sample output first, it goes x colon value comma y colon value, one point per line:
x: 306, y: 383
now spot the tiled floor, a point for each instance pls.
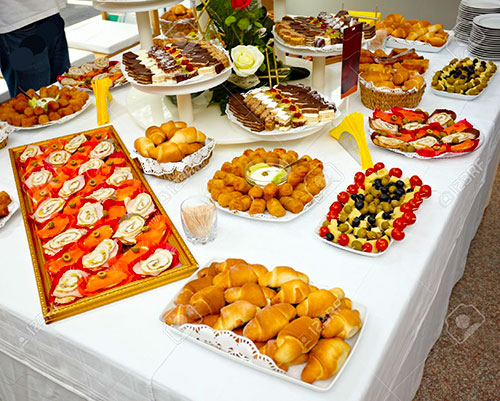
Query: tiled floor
x: 470, y: 370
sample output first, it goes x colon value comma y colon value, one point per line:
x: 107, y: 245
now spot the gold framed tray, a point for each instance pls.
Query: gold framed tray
x: 132, y: 264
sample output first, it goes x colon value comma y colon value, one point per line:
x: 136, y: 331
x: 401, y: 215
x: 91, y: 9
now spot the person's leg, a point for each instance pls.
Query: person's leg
x: 52, y: 30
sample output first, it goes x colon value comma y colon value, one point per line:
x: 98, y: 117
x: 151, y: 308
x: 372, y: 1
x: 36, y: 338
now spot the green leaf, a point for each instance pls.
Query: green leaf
x: 230, y: 20
x: 243, y: 23
x: 257, y: 24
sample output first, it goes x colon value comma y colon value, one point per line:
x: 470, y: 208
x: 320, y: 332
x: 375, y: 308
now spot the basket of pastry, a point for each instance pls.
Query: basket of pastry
x: 265, y: 185
x: 416, y: 133
x: 463, y: 79
x: 272, y: 320
x: 47, y: 106
x: 407, y: 58
x: 96, y: 231
x: 176, y: 60
x: 322, y: 31
x: 283, y: 109
x: 421, y: 35
x: 385, y: 86
x: 373, y: 211
x: 173, y: 151
x: 178, y: 21
x: 82, y: 76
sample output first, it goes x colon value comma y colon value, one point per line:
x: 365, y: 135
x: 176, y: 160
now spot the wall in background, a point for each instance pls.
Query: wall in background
x: 436, y: 11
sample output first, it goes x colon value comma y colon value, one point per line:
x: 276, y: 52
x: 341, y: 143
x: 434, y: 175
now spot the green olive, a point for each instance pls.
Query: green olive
x: 56, y: 179
x: 395, y: 203
x: 101, y: 274
x: 72, y: 205
x: 92, y: 182
x: 43, y: 192
x: 135, y: 249
x: 386, y: 207
x: 392, y: 188
x: 348, y: 209
x: 81, y: 149
x: 385, y: 225
x: 385, y: 181
x: 342, y: 217
x: 50, y: 225
x: 405, y: 121
x: 109, y: 162
x: 357, y: 245
x: 362, y: 233
x: 73, y: 162
x: 326, y: 223
x: 96, y: 234
x: 53, y: 146
x: 105, y: 213
x: 66, y: 257
x: 372, y: 209
x: 344, y: 227
x: 411, y: 148
x: 455, y: 140
x: 371, y: 235
x: 369, y: 198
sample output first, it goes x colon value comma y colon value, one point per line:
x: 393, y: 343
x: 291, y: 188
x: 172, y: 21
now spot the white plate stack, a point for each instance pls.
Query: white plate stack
x: 485, y: 37
x: 468, y: 10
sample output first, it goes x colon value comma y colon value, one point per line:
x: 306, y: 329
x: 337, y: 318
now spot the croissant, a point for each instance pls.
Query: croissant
x: 318, y: 303
x: 235, y: 315
x: 268, y: 322
x: 210, y: 320
x: 167, y: 152
x: 190, y: 288
x: 177, y: 316
x: 343, y: 323
x: 269, y: 348
x: 188, y: 135
x: 228, y: 263
x: 292, y: 292
x: 251, y: 292
x: 236, y: 276
x: 258, y: 269
x: 207, y: 301
x: 325, y: 359
x: 208, y: 271
x: 156, y: 134
x: 169, y: 129
x: 280, y: 275
x: 144, y: 146
x: 298, y: 337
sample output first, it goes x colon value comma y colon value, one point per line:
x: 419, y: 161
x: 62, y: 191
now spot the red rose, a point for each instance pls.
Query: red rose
x: 240, y: 4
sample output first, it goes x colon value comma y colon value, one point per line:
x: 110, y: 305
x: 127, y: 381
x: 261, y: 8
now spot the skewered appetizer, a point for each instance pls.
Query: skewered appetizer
x: 82, y: 77
x: 274, y: 189
x: 414, y: 30
x: 324, y: 30
x: 374, y: 210
x: 4, y: 204
x: 288, y: 320
x: 428, y: 135
x: 170, y: 142
x: 48, y: 104
x: 409, y: 59
x: 97, y: 224
x: 393, y: 76
x: 175, y: 60
x: 466, y: 76
x: 282, y: 108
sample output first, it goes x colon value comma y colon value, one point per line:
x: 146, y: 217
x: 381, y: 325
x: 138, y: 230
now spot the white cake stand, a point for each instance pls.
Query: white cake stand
x: 141, y: 9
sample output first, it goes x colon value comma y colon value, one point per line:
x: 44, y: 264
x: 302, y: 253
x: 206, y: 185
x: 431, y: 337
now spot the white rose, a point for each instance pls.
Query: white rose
x: 246, y: 60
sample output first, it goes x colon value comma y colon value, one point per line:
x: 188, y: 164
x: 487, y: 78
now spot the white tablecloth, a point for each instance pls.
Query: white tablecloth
x: 122, y: 351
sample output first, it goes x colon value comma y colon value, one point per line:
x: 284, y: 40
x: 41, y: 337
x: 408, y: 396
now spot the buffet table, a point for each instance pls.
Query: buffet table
x: 123, y: 352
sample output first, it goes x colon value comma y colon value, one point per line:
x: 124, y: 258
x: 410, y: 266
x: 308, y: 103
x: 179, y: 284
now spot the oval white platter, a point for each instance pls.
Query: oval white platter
x: 399, y: 43
x: 242, y: 350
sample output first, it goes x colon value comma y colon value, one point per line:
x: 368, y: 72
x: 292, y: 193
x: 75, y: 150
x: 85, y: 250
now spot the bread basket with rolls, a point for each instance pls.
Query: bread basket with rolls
x: 273, y: 320
x: 173, y: 151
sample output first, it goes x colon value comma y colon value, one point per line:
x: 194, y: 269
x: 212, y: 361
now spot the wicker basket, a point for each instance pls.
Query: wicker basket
x: 178, y: 174
x: 178, y: 28
x: 377, y: 99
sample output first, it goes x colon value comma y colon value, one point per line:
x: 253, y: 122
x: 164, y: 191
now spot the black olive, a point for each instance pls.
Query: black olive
x: 368, y: 228
x: 400, y: 183
x: 355, y: 222
x: 378, y: 181
x: 372, y: 220
x: 329, y: 237
x: 384, y: 198
x: 483, y: 63
x: 395, y: 197
x: 384, y: 190
x: 363, y: 216
x: 359, y: 204
x: 386, y: 215
x: 399, y: 192
x: 409, y: 190
x: 392, y: 184
x: 377, y: 186
x: 354, y: 197
x: 361, y: 197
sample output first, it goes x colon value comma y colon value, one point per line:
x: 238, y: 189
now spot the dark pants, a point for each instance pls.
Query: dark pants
x: 34, y: 55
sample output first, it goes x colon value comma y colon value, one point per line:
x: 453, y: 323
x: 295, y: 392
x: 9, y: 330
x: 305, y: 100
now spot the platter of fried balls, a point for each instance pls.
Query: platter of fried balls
x: 287, y: 318
x: 49, y: 105
x: 233, y: 193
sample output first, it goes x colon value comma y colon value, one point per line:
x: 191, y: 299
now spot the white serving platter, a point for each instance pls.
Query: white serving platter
x: 399, y: 43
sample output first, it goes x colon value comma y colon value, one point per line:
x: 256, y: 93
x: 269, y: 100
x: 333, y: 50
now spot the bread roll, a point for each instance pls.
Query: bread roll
x: 144, y: 146
x: 168, y: 152
x: 293, y: 292
x: 235, y: 315
x: 343, y: 323
x: 192, y: 287
x: 269, y: 348
x: 188, y: 135
x: 318, y: 303
x: 210, y: 320
x: 177, y: 316
x: 325, y: 359
x: 156, y: 134
x: 169, y: 129
x: 251, y: 292
x: 207, y: 301
x: 236, y: 276
x: 269, y: 321
x: 298, y: 337
x: 228, y: 263
x: 280, y: 275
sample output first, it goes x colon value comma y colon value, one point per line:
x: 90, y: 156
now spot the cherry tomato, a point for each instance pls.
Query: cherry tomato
x: 352, y: 189
x: 413, y: 204
x: 343, y: 239
x: 418, y: 198
x: 381, y: 244
x: 367, y: 247
x: 336, y: 207
x: 425, y: 191
x: 397, y: 234
x: 361, y: 185
x: 409, y: 218
x: 415, y: 181
x: 343, y: 197
x: 379, y: 166
x: 369, y: 172
x: 332, y: 216
x: 405, y: 207
x: 395, y: 172
x: 399, y: 223
x: 323, y: 231
x: 359, y: 177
